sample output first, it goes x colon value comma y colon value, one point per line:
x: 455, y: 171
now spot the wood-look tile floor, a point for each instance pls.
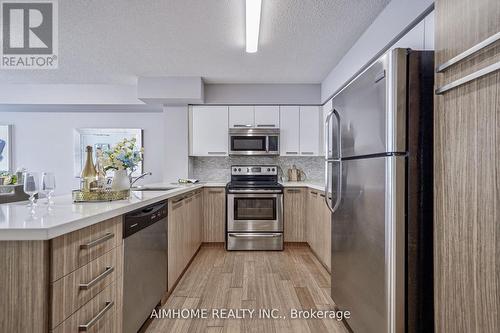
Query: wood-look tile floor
x: 217, y: 279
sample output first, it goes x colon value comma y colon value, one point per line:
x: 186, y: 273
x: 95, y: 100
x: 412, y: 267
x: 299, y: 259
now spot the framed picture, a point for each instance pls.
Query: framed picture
x: 104, y: 138
x: 5, y: 147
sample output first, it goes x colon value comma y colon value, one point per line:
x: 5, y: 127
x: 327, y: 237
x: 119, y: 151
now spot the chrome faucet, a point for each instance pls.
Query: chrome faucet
x: 140, y: 177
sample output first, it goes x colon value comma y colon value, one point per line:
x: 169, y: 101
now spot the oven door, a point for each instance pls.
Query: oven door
x: 249, y: 212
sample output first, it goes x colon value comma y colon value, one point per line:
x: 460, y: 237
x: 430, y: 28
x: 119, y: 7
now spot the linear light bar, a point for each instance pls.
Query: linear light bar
x: 252, y: 24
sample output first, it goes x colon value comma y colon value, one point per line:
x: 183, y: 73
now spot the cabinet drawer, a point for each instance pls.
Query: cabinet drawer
x: 101, y: 314
x: 76, y: 249
x: 77, y: 288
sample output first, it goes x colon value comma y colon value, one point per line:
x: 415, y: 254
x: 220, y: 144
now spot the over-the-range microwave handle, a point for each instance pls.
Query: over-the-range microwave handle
x: 329, y: 160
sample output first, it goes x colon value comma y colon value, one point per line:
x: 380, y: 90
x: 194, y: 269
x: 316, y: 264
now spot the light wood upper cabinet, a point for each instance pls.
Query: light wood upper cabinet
x: 267, y: 116
x: 241, y: 117
x: 289, y: 130
x: 309, y: 130
x: 295, y: 214
x: 214, y: 214
x: 208, y: 131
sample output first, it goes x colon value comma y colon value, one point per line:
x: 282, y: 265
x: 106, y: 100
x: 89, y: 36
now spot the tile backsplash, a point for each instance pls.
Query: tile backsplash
x: 218, y: 168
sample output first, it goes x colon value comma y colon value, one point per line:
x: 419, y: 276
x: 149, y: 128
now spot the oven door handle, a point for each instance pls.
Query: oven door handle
x: 254, y: 235
x: 254, y: 191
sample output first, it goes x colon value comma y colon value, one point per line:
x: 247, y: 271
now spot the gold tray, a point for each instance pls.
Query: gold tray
x: 97, y: 196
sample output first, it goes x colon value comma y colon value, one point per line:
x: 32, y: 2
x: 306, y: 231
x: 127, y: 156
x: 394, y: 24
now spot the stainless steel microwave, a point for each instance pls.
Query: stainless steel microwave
x: 254, y: 141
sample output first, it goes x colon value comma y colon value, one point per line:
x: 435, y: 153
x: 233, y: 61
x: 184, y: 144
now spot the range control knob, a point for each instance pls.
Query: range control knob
x: 273, y: 169
x: 239, y: 169
x: 235, y: 169
x: 268, y: 169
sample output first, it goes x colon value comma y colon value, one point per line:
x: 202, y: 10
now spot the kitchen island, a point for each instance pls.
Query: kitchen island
x: 62, y: 267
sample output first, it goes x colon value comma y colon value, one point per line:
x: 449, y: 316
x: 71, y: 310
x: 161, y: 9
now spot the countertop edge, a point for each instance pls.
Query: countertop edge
x: 48, y: 233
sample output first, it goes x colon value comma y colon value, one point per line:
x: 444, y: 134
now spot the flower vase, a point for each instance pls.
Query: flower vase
x: 121, y: 181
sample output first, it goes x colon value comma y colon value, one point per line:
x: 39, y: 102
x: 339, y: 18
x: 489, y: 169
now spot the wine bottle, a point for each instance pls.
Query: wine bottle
x: 88, y: 177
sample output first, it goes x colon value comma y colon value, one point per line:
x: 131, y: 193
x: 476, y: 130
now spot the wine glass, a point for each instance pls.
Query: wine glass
x: 48, y: 185
x: 31, y: 186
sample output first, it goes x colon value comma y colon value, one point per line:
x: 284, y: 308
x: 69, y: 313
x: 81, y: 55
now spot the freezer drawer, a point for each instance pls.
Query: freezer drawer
x: 254, y: 241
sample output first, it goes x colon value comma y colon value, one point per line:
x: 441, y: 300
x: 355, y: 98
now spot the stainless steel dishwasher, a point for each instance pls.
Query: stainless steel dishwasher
x: 145, y: 266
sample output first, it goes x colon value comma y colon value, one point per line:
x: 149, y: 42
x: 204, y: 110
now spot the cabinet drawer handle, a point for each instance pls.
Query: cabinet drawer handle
x: 307, y: 153
x: 291, y: 153
x: 216, y: 153
x: 93, y: 321
x: 107, y: 271
x: 215, y: 191
x: 293, y: 190
x: 314, y: 193
x: 266, y: 125
x: 98, y: 241
x: 468, y: 78
x: 479, y: 46
x: 242, y: 125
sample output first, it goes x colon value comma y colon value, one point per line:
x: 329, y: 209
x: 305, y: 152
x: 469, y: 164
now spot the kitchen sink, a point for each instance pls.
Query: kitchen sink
x: 152, y: 188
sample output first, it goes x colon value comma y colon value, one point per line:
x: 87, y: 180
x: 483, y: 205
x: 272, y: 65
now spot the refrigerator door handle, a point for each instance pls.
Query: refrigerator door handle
x: 327, y: 179
x: 328, y: 160
x: 339, y: 186
x: 327, y: 135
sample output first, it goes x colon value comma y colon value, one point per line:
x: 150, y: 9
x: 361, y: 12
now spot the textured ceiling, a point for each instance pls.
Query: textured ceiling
x: 114, y: 41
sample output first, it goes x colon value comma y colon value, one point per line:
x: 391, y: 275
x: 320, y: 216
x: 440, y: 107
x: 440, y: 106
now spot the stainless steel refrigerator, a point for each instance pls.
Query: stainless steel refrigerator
x: 379, y: 171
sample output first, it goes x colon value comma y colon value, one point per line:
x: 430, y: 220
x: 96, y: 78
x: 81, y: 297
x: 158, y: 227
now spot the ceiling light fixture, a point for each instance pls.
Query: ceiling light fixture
x: 252, y: 24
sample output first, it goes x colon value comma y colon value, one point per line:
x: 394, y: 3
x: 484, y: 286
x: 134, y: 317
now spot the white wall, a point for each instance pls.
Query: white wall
x: 43, y: 141
x: 175, y: 143
x: 69, y: 94
x: 396, y: 17
x: 262, y: 94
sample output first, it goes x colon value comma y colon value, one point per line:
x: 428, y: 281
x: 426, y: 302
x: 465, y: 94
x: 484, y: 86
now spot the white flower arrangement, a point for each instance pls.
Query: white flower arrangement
x: 123, y: 156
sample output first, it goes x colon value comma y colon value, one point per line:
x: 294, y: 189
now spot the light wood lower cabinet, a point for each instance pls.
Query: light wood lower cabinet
x: 101, y: 314
x: 86, y: 275
x: 184, y: 233
x: 294, y: 208
x: 77, y: 288
x: 75, y: 249
x: 318, y: 227
x: 63, y: 284
x: 214, y: 214
x: 24, y: 281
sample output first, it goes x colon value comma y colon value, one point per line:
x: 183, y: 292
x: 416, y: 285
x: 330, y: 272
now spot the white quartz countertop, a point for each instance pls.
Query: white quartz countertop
x: 311, y: 184
x: 17, y: 223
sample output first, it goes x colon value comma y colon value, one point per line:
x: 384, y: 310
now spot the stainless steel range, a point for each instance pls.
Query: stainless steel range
x: 254, y: 219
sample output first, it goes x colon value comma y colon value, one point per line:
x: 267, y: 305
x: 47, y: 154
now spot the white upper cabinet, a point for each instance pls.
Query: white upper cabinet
x: 310, y: 130
x: 289, y: 130
x: 241, y: 116
x: 322, y: 142
x: 267, y: 116
x: 209, y: 131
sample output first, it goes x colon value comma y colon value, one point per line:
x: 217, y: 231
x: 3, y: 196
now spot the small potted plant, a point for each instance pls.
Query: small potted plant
x: 123, y: 159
